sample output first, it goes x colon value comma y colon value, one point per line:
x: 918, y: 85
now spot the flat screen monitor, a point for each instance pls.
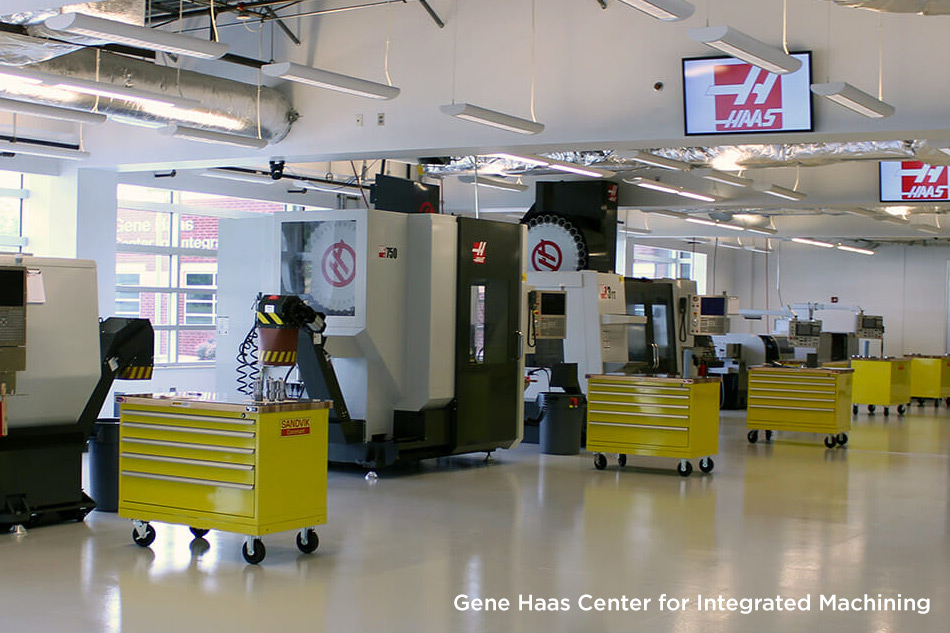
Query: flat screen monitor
x: 913, y: 180
x: 725, y: 95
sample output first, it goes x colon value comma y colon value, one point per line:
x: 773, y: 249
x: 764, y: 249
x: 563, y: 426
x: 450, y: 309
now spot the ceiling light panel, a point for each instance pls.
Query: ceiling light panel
x: 494, y: 183
x: 723, y: 177
x: 854, y: 249
x: 808, y: 242
x: 580, y: 170
x: 51, y: 112
x: 210, y: 136
x: 854, y: 99
x: 781, y: 192
x: 666, y: 10
x: 239, y: 176
x: 741, y: 46
x: 45, y: 151
x: 492, y: 118
x: 648, y: 158
x: 330, y: 80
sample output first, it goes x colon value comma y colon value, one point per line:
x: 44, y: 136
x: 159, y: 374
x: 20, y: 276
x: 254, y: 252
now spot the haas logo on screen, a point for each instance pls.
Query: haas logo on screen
x: 747, y: 98
x: 920, y: 181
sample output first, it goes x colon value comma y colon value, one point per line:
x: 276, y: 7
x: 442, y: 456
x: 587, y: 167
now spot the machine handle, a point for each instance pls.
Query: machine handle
x: 656, y: 355
x: 520, y: 344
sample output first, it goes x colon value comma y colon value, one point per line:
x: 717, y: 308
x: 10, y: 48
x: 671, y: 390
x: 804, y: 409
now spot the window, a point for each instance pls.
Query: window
x: 661, y: 263
x: 12, y: 194
x: 167, y: 265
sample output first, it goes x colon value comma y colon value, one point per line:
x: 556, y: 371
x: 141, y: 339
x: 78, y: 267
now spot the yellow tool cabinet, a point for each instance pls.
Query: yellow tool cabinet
x: 662, y: 417
x: 252, y: 468
x: 930, y: 378
x: 798, y: 399
x: 881, y: 382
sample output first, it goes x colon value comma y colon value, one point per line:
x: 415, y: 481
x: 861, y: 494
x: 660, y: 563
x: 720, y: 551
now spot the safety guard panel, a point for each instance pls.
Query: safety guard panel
x: 930, y: 377
x: 796, y: 399
x: 662, y: 417
x: 881, y: 381
x: 248, y: 468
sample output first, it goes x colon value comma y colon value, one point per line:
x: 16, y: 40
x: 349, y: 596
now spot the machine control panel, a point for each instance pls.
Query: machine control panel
x: 12, y: 307
x: 708, y: 315
x: 548, y: 314
x: 869, y: 327
x: 804, y: 333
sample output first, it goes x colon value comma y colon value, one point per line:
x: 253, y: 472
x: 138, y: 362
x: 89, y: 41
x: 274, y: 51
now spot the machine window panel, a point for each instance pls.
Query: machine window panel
x: 477, y: 325
x: 661, y: 334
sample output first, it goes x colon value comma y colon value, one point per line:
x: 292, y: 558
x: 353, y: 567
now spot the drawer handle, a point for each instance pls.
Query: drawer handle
x: 641, y: 415
x: 597, y: 392
x: 758, y: 396
x: 641, y: 426
x: 766, y: 406
x: 189, y: 462
x: 187, y: 480
x: 190, y: 418
x: 657, y: 405
x: 189, y: 445
x: 187, y: 429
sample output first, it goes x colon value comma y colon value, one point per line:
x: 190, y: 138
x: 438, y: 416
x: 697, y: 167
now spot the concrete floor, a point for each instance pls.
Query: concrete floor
x: 790, y: 518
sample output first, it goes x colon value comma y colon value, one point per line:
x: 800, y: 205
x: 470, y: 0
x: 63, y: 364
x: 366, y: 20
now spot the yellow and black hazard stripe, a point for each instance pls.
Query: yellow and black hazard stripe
x: 279, y: 357
x: 136, y: 373
x: 269, y: 318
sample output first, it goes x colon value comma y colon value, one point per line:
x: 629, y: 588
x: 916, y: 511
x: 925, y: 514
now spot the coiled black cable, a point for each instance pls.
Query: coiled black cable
x: 247, y: 369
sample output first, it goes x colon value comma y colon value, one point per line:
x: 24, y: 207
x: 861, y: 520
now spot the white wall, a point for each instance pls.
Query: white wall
x: 905, y: 284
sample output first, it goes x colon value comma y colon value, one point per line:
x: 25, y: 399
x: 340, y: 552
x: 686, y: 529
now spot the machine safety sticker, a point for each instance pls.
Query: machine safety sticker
x: 339, y: 264
x: 546, y: 256
x: 294, y: 426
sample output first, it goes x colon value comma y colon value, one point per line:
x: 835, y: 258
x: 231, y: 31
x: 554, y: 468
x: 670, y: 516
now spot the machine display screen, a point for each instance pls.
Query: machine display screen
x: 712, y: 306
x: 11, y: 288
x: 807, y: 329
x: 725, y: 95
x: 872, y: 323
x: 554, y: 303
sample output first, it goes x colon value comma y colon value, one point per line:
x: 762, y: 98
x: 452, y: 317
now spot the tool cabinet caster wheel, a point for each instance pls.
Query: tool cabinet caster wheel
x: 901, y: 409
x: 842, y: 439
x: 920, y: 402
x: 753, y: 437
x: 887, y: 411
x: 600, y: 461
x: 854, y: 409
x: 259, y: 552
x: 199, y: 532
x: 144, y: 541
x: 706, y: 464
x: 684, y: 468
x: 313, y: 542
x: 622, y: 460
x: 871, y: 408
x: 768, y: 436
x: 830, y: 441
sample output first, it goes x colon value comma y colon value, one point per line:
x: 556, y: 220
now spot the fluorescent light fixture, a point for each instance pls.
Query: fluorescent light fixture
x: 635, y: 231
x: 926, y: 228
x: 900, y: 210
x: 747, y: 48
x: 339, y: 189
x: 648, y: 158
x: 138, y: 36
x: 46, y: 151
x: 210, y: 136
x: 781, y: 192
x: 893, y: 219
x: 51, y: 112
x: 494, y: 183
x: 330, y: 80
x: 723, y: 177
x: 761, y: 230
x: 499, y: 120
x: 666, y: 10
x: 656, y: 185
x: 580, y: 170
x: 667, y: 213
x: 867, y: 213
x: 854, y: 99
x: 854, y: 249
x: 239, y: 176
x: 527, y: 159
x: 802, y: 240
x: 715, y: 223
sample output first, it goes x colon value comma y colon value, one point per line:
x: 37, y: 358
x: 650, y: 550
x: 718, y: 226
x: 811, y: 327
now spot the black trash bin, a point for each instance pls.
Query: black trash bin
x: 104, y: 465
x: 562, y: 423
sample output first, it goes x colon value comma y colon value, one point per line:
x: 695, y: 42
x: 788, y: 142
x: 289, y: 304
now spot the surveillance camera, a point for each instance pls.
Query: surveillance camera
x: 277, y: 169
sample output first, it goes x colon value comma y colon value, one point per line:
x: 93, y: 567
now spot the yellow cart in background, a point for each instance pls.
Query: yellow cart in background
x: 883, y: 382
x: 249, y: 468
x: 930, y: 378
x: 661, y: 417
x: 800, y: 399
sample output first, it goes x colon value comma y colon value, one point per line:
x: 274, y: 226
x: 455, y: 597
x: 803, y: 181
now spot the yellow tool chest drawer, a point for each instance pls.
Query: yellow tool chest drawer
x: 883, y: 382
x: 251, y: 468
x: 800, y: 399
x: 930, y: 378
x: 661, y: 417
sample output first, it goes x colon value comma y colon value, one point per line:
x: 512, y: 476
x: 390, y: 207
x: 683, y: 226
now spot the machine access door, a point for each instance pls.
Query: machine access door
x: 488, y: 345
x: 654, y: 347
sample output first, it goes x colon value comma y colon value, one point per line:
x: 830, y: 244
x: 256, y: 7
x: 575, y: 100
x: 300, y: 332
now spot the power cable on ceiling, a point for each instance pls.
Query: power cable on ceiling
x: 533, y: 47
x: 785, y: 26
x: 389, y: 79
x: 455, y: 51
x: 880, y: 56
x: 214, y: 21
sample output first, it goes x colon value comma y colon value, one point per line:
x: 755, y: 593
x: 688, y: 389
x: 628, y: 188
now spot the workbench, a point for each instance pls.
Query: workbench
x: 252, y: 468
x: 807, y: 400
x: 930, y: 378
x: 883, y: 382
x: 661, y: 417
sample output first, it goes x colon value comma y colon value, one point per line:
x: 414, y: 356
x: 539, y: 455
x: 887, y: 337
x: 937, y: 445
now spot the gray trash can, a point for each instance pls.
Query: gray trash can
x: 104, y: 465
x: 562, y: 423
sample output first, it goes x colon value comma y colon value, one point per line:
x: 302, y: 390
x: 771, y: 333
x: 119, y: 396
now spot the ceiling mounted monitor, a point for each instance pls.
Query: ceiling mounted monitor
x: 725, y: 95
x: 913, y: 180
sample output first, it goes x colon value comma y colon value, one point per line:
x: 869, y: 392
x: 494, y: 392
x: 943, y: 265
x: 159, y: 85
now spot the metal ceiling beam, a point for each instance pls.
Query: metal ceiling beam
x: 432, y: 14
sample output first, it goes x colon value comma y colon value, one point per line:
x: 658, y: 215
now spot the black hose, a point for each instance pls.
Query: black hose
x: 247, y: 369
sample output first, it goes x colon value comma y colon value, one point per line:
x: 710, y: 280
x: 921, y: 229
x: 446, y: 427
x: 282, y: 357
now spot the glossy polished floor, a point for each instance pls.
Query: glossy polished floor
x: 789, y: 518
